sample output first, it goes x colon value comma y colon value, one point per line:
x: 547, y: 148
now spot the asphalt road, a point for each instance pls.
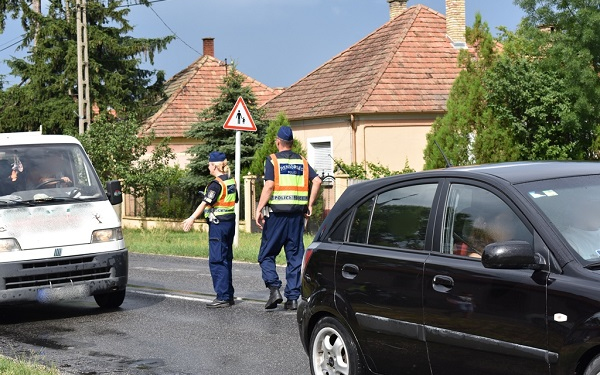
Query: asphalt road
x: 162, y: 327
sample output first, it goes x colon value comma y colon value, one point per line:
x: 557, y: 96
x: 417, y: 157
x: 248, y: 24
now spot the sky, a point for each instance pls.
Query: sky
x: 277, y: 42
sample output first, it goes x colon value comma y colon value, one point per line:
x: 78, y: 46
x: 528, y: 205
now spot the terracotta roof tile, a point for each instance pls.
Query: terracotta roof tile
x: 407, y: 65
x: 191, y: 91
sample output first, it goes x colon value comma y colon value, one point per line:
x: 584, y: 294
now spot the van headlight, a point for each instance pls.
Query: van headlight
x: 106, y: 235
x: 9, y: 244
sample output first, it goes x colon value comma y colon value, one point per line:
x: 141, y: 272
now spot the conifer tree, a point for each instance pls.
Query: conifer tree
x: 455, y: 132
x: 47, y: 94
x: 213, y: 137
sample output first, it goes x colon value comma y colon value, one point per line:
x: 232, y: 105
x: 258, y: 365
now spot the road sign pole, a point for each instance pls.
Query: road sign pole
x: 239, y: 120
x: 238, y: 147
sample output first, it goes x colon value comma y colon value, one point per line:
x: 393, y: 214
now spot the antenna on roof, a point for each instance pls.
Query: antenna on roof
x: 448, y: 163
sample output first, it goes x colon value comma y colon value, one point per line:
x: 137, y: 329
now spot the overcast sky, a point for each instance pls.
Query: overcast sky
x: 277, y: 42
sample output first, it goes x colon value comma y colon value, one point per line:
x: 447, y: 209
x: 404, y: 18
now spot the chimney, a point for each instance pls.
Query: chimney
x: 397, y: 7
x: 208, y: 45
x: 455, y: 23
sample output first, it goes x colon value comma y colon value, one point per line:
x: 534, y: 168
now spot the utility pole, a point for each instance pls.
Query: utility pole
x: 83, y: 87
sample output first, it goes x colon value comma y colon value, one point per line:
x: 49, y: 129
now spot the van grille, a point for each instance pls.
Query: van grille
x: 61, y: 275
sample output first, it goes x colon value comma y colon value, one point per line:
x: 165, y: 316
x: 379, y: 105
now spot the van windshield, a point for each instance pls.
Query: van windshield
x: 45, y: 174
x: 573, y: 206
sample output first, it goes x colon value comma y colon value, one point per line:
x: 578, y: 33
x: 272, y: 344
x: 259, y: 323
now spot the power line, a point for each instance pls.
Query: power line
x: 15, y: 43
x: 131, y: 5
x: 161, y: 20
x: 174, y: 33
x: 12, y: 40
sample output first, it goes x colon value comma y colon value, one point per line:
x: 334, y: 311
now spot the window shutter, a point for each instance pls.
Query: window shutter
x: 323, y: 162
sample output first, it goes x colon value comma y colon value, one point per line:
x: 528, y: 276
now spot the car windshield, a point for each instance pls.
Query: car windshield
x: 45, y: 174
x: 573, y: 205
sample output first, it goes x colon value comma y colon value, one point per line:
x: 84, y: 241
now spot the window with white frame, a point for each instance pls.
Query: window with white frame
x: 320, y: 155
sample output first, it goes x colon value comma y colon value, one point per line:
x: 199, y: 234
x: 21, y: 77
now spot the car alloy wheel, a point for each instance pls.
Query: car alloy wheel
x: 332, y: 350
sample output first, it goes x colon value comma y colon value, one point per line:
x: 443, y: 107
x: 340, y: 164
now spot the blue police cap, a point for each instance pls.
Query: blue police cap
x: 285, y: 133
x: 216, y: 156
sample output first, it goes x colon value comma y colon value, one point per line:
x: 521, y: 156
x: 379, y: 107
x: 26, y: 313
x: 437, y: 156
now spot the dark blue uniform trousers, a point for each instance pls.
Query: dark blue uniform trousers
x: 282, y: 230
x: 220, y: 257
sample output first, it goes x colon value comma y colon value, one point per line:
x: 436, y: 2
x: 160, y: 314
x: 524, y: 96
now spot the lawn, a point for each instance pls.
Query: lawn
x: 10, y: 366
x: 193, y: 244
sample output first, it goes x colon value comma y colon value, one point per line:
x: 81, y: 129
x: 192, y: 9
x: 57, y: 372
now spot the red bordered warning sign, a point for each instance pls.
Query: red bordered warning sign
x: 240, y: 118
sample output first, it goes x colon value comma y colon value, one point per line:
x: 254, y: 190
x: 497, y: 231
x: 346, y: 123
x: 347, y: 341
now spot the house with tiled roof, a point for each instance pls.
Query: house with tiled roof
x: 191, y: 91
x: 376, y: 101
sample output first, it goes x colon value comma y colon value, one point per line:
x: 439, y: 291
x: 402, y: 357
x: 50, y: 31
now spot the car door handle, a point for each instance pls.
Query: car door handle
x: 349, y: 271
x: 442, y: 283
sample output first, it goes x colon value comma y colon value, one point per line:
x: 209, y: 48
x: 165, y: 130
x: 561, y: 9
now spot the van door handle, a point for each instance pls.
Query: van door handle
x: 442, y: 283
x: 349, y: 271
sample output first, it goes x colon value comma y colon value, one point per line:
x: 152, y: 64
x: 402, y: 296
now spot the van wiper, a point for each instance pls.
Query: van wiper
x: 47, y: 198
x: 15, y: 201
x: 593, y: 266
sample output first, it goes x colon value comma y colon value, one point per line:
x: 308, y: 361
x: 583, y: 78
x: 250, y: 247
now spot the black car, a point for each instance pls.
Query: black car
x: 491, y: 269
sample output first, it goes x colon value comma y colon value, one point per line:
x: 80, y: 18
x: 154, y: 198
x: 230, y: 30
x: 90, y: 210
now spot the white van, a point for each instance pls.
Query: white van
x: 60, y: 237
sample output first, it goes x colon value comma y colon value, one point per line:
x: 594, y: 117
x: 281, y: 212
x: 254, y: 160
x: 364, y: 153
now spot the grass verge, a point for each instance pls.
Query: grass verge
x: 10, y: 366
x: 193, y: 244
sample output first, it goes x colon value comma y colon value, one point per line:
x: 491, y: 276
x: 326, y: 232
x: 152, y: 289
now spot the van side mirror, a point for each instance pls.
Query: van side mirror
x: 113, y: 192
x: 512, y: 255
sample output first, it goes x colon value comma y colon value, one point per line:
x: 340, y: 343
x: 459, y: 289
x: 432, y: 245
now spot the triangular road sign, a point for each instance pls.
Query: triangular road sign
x: 240, y: 118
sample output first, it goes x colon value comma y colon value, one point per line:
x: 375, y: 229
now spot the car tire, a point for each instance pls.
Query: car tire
x: 110, y: 300
x: 333, y: 350
x: 594, y: 367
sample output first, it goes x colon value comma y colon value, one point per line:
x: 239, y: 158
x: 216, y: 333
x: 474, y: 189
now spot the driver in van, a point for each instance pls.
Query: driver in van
x: 50, y: 173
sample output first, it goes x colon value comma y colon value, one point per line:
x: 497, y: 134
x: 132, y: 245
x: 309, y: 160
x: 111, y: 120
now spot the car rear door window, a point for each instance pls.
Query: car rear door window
x: 398, y: 218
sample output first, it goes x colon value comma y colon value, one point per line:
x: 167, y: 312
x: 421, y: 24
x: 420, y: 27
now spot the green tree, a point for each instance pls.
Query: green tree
x: 48, y: 90
x: 371, y: 170
x: 576, y: 26
x: 212, y: 136
x: 118, y: 153
x: 537, y: 100
x: 532, y: 109
x: 455, y: 132
x: 268, y: 146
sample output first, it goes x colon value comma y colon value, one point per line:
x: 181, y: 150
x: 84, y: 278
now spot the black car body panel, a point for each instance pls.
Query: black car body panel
x: 392, y: 263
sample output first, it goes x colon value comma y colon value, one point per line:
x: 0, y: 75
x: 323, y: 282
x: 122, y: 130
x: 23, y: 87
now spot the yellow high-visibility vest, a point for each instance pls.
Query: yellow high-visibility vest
x: 290, y: 191
x: 225, y: 204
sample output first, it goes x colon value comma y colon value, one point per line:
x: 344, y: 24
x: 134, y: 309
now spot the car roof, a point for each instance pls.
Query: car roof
x: 520, y: 172
x: 510, y: 172
x: 513, y: 172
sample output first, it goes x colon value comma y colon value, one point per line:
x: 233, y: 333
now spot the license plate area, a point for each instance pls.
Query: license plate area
x: 63, y: 293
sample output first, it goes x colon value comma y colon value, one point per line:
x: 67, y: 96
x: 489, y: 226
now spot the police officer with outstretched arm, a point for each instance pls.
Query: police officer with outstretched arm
x: 291, y: 188
x: 218, y: 206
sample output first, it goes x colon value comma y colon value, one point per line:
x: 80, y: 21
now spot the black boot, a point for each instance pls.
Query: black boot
x: 274, y: 298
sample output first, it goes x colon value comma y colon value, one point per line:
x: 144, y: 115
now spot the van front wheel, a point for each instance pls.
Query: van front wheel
x: 110, y: 300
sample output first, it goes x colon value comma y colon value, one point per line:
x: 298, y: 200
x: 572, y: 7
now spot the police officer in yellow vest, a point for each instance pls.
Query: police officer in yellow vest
x: 218, y: 206
x: 288, y: 199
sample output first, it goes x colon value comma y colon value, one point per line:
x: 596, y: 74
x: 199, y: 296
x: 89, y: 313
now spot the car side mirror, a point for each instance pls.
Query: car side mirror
x: 513, y: 255
x: 113, y: 192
